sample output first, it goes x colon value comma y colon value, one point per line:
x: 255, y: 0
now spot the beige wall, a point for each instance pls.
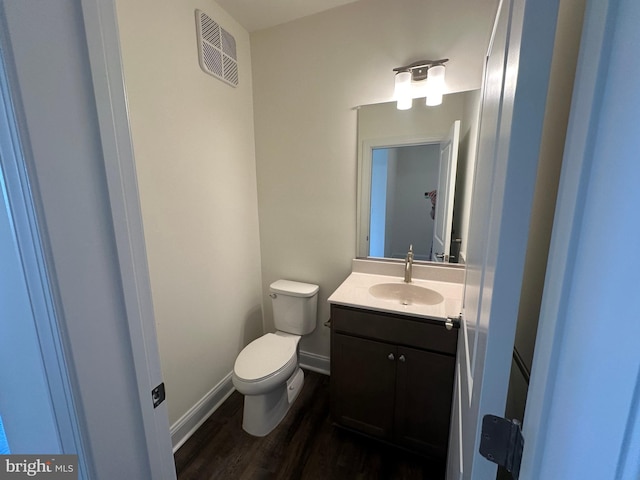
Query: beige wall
x: 308, y: 77
x: 194, y: 151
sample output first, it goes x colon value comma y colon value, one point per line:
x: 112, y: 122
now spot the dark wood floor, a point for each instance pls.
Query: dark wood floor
x: 306, y: 445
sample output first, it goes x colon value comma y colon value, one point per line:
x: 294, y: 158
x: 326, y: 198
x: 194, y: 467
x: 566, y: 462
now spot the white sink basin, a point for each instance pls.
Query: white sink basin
x: 405, y: 294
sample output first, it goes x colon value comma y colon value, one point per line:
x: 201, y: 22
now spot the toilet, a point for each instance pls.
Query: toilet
x: 266, y: 372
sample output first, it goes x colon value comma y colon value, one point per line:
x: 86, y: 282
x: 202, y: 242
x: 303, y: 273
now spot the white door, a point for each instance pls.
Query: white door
x: 514, y: 93
x: 445, y: 194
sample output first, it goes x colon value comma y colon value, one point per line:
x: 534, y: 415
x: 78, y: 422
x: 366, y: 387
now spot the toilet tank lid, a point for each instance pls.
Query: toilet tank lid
x: 296, y: 289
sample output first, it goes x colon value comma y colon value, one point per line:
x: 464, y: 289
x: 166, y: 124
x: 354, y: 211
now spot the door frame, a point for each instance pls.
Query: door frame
x: 444, y: 222
x: 518, y: 67
x: 566, y: 336
x: 103, y: 42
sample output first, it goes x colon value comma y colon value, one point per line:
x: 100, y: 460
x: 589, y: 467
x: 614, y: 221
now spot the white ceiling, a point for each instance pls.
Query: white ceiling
x: 258, y: 14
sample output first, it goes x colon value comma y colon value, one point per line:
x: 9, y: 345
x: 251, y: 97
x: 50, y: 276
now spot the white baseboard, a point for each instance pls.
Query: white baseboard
x: 314, y: 362
x: 196, y: 416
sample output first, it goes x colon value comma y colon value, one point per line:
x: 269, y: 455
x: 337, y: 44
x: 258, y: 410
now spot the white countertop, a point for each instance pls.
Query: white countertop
x: 354, y: 292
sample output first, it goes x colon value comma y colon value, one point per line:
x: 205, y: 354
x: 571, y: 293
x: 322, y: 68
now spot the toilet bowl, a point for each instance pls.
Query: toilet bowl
x: 266, y: 371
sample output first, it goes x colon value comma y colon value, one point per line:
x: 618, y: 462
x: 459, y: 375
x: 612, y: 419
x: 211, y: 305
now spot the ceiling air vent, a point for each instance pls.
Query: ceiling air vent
x: 217, y: 49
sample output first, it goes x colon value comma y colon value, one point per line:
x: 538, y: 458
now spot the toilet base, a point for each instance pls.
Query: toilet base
x: 262, y: 413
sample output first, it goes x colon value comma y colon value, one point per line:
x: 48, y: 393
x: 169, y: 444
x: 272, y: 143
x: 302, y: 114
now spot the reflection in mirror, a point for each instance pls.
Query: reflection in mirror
x: 409, y: 189
x: 399, y: 177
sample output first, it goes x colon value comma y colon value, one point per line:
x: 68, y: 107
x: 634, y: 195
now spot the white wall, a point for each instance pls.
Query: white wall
x: 308, y: 77
x: 194, y: 151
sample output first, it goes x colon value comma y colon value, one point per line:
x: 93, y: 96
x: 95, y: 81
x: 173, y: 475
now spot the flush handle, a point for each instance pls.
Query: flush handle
x: 273, y: 295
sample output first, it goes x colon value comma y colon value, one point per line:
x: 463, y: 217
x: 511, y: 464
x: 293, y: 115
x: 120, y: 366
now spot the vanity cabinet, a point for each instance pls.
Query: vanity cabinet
x: 392, y: 377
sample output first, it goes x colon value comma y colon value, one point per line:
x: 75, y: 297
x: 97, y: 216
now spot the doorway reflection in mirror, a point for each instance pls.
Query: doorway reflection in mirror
x: 399, y: 214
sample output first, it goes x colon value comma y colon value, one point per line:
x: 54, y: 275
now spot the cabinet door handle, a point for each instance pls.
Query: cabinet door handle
x: 401, y: 358
x: 391, y: 356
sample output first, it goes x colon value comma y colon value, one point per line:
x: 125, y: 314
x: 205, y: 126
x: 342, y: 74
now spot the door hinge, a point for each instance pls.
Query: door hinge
x: 158, y: 395
x: 501, y: 442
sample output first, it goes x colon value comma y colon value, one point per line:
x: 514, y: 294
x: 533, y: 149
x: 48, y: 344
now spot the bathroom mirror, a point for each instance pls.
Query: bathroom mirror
x: 400, y: 154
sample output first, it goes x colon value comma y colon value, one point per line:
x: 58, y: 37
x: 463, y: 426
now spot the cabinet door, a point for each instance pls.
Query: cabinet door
x: 423, y: 400
x: 362, y: 384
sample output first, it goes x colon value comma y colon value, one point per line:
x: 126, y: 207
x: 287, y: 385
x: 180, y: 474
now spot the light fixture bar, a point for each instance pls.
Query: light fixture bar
x: 421, y: 64
x: 424, y: 78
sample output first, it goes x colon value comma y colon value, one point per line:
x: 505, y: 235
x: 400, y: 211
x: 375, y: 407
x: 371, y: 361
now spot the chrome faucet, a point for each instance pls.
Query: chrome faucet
x: 408, y: 265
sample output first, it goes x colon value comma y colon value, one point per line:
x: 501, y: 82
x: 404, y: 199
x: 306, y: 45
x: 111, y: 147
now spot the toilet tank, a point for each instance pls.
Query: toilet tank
x: 295, y: 306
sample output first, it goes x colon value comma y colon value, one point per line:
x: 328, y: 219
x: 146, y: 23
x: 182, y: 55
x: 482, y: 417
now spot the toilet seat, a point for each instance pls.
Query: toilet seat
x: 266, y: 357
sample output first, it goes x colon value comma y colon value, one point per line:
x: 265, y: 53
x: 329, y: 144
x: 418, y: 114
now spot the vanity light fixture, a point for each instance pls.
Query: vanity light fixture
x: 424, y: 78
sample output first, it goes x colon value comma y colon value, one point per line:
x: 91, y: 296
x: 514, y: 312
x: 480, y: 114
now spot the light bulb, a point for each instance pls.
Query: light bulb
x: 435, y: 85
x: 434, y: 99
x: 402, y: 91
